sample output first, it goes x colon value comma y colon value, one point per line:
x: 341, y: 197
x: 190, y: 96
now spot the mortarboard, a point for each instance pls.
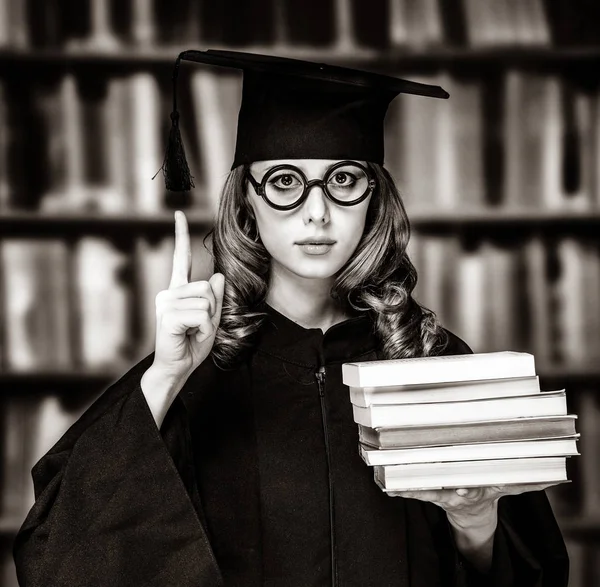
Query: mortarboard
x: 295, y: 109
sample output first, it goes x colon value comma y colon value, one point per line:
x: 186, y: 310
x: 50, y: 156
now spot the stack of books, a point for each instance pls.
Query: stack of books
x: 459, y: 421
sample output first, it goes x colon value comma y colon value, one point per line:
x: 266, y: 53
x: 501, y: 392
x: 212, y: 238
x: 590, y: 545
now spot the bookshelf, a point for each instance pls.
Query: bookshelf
x: 508, y: 179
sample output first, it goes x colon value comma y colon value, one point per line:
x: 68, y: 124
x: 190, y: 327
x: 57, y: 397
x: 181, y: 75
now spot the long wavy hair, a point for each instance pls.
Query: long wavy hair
x: 379, y: 278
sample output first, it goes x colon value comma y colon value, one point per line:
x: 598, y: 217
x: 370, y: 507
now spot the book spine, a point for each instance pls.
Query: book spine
x: 546, y: 404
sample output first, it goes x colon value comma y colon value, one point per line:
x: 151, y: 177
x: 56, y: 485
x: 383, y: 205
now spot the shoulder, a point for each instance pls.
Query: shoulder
x: 455, y: 345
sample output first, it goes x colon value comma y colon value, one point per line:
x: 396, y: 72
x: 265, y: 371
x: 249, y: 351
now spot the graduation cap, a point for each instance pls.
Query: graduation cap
x: 295, y: 109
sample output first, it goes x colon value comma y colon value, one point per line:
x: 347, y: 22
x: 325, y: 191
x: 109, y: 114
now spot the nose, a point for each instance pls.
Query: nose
x: 316, y: 206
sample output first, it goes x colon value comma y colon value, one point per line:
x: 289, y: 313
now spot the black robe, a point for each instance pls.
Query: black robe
x: 254, y: 479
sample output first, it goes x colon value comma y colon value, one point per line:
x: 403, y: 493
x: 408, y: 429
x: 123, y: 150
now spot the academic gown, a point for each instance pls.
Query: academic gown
x: 255, y: 479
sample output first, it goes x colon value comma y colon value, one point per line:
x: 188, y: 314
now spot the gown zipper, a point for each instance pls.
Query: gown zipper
x: 320, y: 375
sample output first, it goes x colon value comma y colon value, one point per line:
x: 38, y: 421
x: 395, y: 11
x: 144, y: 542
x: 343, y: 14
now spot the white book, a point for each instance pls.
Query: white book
x: 117, y: 155
x: 345, y: 38
x: 103, y: 303
x: 18, y: 24
x: 569, y: 293
x: 550, y: 108
x: 556, y: 447
x: 589, y: 409
x: 502, y: 310
x: 5, y: 190
x: 468, y: 132
x: 515, y: 156
x: 520, y: 21
x: 147, y: 145
x: 538, y: 298
x: 445, y: 156
x: 440, y: 392
x: 398, y: 25
x: 541, y: 26
x: 154, y: 262
x: 420, y: 370
x: 596, y: 151
x: 471, y: 474
x: 143, y: 29
x: 74, y: 156
x: 583, y: 199
x: 215, y: 121
x: 4, y: 23
x: 435, y: 263
x: 36, y: 303
x: 419, y: 149
x: 55, y: 288
x: 471, y: 300
x: 548, y: 403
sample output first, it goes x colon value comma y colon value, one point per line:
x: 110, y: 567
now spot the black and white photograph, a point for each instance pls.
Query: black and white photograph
x: 299, y: 293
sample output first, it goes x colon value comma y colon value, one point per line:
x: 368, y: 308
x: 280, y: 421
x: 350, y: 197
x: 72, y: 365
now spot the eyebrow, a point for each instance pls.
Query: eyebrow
x: 298, y: 163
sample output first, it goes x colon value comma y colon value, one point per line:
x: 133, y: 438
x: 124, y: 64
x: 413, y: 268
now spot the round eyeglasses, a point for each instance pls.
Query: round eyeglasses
x: 285, y: 187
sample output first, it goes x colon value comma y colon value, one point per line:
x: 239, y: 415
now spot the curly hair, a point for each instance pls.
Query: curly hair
x: 378, y: 279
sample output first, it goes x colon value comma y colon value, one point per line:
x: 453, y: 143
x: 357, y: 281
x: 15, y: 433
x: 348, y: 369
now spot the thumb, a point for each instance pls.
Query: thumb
x: 217, y: 283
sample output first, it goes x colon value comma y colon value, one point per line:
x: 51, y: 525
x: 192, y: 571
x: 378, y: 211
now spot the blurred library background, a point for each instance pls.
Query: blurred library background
x: 501, y: 182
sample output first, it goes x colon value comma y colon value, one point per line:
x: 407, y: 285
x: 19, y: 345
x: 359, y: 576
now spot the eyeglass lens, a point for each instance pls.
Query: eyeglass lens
x: 284, y: 186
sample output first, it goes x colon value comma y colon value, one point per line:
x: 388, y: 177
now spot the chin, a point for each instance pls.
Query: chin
x: 311, y: 269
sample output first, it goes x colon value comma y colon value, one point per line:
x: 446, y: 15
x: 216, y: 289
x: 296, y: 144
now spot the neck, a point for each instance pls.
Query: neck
x: 305, y: 301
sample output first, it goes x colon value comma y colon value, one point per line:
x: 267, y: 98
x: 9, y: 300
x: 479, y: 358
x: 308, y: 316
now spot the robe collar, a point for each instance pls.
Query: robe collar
x: 283, y: 338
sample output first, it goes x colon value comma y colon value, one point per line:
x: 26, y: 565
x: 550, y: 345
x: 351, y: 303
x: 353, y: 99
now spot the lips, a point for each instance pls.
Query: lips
x: 324, y: 241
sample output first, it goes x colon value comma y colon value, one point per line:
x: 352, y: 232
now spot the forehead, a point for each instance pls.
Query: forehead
x: 308, y: 166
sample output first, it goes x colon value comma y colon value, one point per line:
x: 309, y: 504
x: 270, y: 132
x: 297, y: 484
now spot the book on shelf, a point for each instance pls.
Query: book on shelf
x: 471, y: 303
x: 36, y: 303
x: 439, y: 369
x: 5, y: 189
x: 513, y: 429
x: 537, y: 294
x: 548, y: 403
x: 104, y: 303
x: 477, y: 451
x: 446, y: 391
x: 506, y: 23
x: 589, y: 409
x: 416, y: 476
x: 216, y: 101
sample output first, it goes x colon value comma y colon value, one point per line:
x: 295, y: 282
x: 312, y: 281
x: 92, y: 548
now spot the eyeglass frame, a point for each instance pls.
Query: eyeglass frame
x: 309, y: 184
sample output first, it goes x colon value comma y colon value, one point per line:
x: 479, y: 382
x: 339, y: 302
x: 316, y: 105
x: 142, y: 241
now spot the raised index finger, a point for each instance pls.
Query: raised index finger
x: 182, y: 256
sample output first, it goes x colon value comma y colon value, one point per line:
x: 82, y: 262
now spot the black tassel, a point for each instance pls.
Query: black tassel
x: 175, y: 167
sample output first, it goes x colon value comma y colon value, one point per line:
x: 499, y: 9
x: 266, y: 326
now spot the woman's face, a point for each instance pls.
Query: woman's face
x: 282, y: 232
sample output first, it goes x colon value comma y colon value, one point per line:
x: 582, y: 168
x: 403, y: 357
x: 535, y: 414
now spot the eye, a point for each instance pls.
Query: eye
x: 285, y: 181
x: 343, y: 179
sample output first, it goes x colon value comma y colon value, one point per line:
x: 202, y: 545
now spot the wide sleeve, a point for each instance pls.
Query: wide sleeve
x: 529, y: 549
x: 116, y: 502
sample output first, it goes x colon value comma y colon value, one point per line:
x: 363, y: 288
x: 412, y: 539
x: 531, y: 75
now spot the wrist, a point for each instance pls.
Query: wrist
x: 474, y: 538
x: 160, y: 389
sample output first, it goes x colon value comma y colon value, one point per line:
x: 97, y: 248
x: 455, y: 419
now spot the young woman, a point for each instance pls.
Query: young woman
x: 229, y: 456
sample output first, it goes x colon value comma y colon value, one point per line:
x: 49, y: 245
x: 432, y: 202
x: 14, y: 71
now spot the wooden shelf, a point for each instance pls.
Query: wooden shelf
x: 132, y: 58
x: 502, y: 216
x: 37, y: 223
x: 20, y: 222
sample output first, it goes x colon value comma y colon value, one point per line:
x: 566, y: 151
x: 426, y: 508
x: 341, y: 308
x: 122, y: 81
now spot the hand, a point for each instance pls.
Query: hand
x: 470, y: 507
x: 187, y: 314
